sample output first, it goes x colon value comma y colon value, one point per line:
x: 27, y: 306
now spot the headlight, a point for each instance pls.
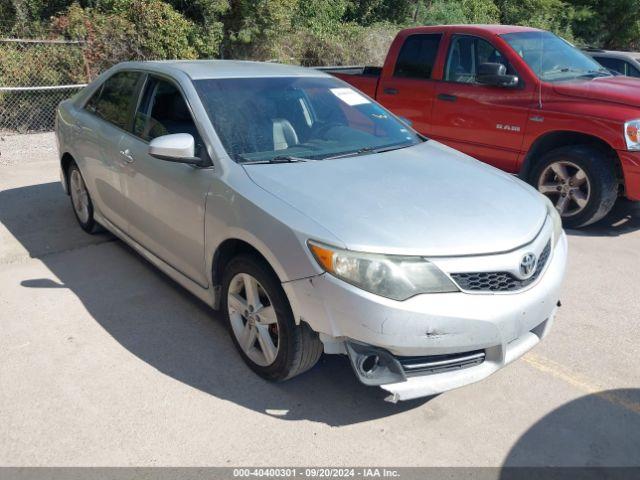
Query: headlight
x: 632, y: 134
x: 390, y: 276
x: 556, y: 219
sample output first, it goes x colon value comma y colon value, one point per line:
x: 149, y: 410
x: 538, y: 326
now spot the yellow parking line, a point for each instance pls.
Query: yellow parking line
x: 559, y: 371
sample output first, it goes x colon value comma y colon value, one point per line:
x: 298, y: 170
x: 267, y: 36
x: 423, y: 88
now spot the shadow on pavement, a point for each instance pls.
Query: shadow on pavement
x: 168, y: 328
x: 602, y: 429
x: 623, y: 218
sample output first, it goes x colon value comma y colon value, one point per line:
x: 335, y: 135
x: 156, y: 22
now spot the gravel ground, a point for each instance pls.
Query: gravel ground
x: 105, y: 361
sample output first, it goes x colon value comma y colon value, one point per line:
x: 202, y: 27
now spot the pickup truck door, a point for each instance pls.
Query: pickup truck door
x: 165, y: 201
x: 406, y: 87
x: 486, y: 122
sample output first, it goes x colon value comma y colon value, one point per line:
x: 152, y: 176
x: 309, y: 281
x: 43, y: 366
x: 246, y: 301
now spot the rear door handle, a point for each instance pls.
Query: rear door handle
x: 445, y: 97
x: 390, y: 91
x: 127, y: 155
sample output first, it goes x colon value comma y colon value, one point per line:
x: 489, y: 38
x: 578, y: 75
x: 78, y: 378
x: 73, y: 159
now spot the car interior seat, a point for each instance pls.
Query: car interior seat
x: 284, y: 135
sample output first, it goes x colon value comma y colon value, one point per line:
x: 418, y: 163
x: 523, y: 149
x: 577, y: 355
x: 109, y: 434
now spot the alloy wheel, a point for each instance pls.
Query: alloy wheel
x: 253, y: 319
x: 79, y: 196
x: 567, y: 186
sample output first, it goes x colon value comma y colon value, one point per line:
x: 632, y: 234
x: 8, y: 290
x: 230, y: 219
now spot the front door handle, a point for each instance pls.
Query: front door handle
x: 127, y: 155
x: 390, y: 91
x: 445, y: 97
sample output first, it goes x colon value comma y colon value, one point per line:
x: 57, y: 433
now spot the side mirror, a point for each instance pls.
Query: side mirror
x: 495, y: 74
x: 177, y: 147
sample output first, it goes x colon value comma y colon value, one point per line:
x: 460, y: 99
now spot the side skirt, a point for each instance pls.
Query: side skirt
x: 207, y: 295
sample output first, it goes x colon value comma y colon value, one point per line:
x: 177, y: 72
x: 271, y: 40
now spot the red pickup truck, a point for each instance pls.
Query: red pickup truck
x: 523, y: 100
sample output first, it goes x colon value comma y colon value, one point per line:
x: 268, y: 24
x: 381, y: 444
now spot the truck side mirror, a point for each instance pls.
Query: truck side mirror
x: 495, y: 74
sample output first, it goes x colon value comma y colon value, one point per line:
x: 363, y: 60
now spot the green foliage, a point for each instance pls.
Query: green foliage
x: 161, y: 31
x: 349, y: 45
x: 553, y: 15
x: 368, y: 12
x: 450, y: 12
x: 321, y: 16
x: 109, y: 37
x: 334, y: 31
x: 613, y: 24
x: 252, y: 27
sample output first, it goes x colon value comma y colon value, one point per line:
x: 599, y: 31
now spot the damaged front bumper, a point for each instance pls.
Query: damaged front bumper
x: 407, y: 378
x: 455, y: 338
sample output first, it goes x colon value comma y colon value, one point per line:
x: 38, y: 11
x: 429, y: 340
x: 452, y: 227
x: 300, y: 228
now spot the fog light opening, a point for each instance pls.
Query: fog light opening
x: 369, y: 364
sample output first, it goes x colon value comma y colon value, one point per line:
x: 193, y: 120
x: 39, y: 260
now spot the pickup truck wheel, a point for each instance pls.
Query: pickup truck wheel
x: 81, y: 200
x: 261, y: 322
x: 580, y: 181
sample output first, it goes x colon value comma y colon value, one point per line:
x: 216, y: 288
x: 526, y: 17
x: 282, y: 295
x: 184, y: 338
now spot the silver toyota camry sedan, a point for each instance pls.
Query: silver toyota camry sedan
x: 315, y: 220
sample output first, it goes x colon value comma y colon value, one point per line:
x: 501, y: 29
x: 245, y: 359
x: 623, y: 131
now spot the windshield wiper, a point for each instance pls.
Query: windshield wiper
x: 579, y: 73
x: 278, y: 159
x: 365, y: 150
x: 596, y: 73
x: 355, y: 153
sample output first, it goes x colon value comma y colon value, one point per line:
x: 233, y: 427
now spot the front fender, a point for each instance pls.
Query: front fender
x: 236, y: 208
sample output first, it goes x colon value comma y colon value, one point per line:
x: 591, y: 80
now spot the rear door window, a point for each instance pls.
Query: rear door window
x: 115, y: 100
x: 417, y: 56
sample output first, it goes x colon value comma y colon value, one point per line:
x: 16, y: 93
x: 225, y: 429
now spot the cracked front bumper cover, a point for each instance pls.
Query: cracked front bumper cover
x: 504, y: 326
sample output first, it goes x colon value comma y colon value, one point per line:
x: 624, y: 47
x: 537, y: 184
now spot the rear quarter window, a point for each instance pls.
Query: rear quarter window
x: 417, y: 56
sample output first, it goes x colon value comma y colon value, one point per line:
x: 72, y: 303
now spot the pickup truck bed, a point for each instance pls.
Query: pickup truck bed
x: 364, y: 78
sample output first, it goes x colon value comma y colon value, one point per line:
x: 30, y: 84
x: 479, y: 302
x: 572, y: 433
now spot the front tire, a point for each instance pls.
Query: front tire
x: 81, y: 200
x: 579, y: 180
x: 261, y: 322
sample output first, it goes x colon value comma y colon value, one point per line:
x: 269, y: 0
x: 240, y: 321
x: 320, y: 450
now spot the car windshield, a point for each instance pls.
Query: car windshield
x: 298, y: 118
x: 552, y: 58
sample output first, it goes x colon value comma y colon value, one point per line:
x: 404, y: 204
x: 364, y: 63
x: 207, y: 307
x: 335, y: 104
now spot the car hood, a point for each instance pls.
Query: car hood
x: 619, y: 89
x: 425, y: 200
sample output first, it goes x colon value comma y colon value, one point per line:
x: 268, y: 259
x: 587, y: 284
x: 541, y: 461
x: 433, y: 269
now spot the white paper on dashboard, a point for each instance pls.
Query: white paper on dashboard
x: 349, y: 96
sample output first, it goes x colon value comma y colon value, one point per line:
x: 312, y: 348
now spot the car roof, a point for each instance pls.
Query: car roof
x: 612, y: 53
x: 473, y: 28
x: 212, y: 69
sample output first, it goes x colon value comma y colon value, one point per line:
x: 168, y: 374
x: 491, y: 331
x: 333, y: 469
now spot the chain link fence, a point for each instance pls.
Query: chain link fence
x: 35, y: 76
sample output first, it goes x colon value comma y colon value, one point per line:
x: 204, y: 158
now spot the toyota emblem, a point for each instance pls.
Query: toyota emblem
x: 528, y: 265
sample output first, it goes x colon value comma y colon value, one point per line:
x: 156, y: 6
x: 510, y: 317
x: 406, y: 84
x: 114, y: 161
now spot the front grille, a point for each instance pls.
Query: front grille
x: 500, y: 281
x: 428, y: 365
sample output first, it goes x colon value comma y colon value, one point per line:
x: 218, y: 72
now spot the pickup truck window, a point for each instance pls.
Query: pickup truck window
x: 466, y: 54
x: 265, y: 119
x: 417, y: 56
x: 553, y: 59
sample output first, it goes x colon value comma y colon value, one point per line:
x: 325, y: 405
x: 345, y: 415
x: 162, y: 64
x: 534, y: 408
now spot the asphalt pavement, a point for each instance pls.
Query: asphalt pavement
x: 105, y: 361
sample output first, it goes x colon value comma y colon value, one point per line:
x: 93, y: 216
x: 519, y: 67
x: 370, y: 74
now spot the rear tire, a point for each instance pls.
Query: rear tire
x: 579, y: 180
x: 80, y: 199
x: 261, y: 322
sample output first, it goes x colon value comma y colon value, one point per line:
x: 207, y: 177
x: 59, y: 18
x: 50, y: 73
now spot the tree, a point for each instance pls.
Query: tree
x: 368, y: 12
x: 252, y: 26
x: 439, y: 12
x: 553, y: 15
x: 612, y: 24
